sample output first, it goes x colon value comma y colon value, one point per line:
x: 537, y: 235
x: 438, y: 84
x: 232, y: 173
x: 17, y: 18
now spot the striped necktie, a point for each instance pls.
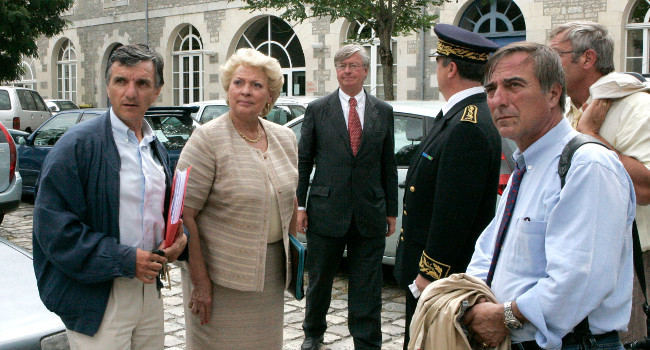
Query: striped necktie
x: 507, y: 215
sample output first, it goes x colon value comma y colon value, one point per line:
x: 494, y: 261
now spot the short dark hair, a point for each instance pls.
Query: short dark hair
x: 130, y: 55
x: 468, y: 70
x: 546, y: 64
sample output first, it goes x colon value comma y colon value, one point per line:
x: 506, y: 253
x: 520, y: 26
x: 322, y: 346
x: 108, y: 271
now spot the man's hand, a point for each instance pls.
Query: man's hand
x: 172, y: 252
x: 201, y: 301
x: 593, y: 117
x: 147, y: 265
x: 421, y: 282
x: 390, y: 220
x: 302, y: 222
x: 486, y: 321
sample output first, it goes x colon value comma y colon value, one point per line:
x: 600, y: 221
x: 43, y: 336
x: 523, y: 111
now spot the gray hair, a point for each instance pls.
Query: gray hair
x: 348, y: 50
x: 130, y: 55
x: 585, y: 35
x: 253, y: 58
x: 546, y: 64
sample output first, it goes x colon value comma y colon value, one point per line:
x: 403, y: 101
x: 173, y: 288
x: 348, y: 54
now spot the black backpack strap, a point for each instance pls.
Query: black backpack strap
x: 582, y: 330
x: 569, y: 149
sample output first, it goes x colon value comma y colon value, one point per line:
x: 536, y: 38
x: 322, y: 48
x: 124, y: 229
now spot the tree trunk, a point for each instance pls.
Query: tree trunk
x: 386, y: 58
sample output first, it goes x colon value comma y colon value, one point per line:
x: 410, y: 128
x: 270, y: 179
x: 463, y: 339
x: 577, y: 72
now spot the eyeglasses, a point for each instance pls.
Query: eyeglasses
x: 352, y: 66
x: 566, y: 52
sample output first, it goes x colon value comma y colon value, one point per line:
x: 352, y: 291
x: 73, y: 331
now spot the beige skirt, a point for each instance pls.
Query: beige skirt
x: 241, y: 320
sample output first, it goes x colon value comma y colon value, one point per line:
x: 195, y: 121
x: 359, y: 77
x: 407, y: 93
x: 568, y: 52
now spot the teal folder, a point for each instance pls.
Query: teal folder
x: 298, y: 251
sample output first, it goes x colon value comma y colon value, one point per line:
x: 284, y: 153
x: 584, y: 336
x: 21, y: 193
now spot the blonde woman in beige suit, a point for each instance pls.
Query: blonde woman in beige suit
x: 239, y: 209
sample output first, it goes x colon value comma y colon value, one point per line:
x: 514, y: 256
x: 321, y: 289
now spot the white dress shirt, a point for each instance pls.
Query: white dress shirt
x: 345, y: 104
x: 461, y: 95
x: 567, y: 253
x: 142, y: 187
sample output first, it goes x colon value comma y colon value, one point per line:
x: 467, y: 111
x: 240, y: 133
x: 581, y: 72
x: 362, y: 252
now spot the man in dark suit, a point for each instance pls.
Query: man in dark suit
x: 349, y: 137
x: 451, y: 184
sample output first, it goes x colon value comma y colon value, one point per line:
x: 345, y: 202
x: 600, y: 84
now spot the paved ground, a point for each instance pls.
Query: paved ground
x: 17, y: 227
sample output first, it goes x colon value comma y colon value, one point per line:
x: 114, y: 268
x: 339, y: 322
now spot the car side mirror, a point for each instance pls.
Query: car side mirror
x: 52, y: 109
x: 21, y: 140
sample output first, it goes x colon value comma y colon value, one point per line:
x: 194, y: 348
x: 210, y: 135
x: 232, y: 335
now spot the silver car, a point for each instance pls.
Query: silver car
x: 11, y: 184
x: 284, y: 110
x: 25, y: 323
x: 413, y: 119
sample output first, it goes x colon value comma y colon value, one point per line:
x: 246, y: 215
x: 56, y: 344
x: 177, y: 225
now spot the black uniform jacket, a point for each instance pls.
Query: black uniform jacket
x: 450, y: 193
x: 363, y: 187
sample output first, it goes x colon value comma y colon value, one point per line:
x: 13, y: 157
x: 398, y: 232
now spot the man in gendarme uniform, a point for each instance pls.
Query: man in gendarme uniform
x: 451, y: 185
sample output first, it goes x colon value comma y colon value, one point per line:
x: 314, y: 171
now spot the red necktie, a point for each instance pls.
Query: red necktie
x: 354, y: 126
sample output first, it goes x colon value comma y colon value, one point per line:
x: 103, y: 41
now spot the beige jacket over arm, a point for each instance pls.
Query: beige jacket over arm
x: 437, y: 322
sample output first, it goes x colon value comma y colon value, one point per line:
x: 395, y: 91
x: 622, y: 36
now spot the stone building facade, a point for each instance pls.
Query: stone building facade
x: 195, y: 38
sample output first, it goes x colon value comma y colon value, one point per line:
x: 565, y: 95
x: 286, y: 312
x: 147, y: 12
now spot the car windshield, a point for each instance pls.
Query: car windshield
x: 172, y: 130
x: 66, y: 105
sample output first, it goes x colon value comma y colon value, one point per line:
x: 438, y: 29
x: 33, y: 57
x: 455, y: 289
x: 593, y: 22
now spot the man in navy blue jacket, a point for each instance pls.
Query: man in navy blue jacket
x: 100, y: 211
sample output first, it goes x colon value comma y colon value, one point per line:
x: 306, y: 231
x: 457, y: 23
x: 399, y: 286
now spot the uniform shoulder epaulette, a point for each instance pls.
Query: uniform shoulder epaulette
x: 432, y: 268
x: 470, y: 114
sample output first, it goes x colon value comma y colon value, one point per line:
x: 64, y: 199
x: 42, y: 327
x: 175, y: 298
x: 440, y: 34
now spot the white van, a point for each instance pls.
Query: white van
x: 22, y: 109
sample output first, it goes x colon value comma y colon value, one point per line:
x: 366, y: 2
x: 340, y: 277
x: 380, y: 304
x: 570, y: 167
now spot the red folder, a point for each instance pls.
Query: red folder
x: 179, y: 186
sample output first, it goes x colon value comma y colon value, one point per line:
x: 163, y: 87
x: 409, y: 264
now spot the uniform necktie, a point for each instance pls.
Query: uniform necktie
x: 354, y: 126
x: 507, y: 215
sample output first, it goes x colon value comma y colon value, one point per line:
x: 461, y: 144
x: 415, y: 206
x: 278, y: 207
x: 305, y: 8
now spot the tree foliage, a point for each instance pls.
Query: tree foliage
x: 387, y: 18
x: 21, y: 23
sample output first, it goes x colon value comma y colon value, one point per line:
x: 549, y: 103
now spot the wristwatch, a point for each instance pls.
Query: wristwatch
x: 510, y: 320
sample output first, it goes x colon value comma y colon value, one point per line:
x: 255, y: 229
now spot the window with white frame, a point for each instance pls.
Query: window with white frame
x: 187, y: 66
x: 637, y: 45
x: 365, y: 36
x: 274, y: 37
x: 499, y: 20
x: 67, y: 71
x: 27, y: 79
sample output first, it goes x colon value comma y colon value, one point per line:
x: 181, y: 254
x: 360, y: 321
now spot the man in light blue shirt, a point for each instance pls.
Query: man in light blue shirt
x: 567, y: 252
x: 100, y: 211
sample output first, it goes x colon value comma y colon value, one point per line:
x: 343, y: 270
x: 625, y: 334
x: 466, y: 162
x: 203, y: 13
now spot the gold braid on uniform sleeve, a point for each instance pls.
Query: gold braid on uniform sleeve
x: 434, y: 270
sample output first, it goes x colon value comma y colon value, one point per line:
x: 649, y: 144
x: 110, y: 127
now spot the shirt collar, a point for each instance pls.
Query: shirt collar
x: 547, y: 146
x: 120, y: 128
x: 461, y: 95
x: 360, y: 97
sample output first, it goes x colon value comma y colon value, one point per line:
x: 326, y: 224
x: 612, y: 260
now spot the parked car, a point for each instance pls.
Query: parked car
x: 60, y: 105
x: 25, y: 323
x: 22, y: 108
x: 11, y: 183
x: 284, y: 110
x: 171, y: 125
x: 413, y: 119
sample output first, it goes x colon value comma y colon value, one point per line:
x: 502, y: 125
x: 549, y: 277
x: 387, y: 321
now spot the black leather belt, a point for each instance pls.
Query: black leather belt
x: 568, y: 340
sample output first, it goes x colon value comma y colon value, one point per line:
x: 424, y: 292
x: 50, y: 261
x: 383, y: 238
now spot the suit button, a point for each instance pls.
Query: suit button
x: 401, y: 238
x: 412, y: 188
x: 405, y: 213
x: 401, y: 230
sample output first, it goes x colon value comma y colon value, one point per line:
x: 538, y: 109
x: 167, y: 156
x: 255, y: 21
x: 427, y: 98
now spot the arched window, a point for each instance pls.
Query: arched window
x: 187, y: 67
x: 67, y: 72
x: 274, y: 37
x: 500, y: 21
x: 27, y: 79
x: 638, y: 24
x: 365, y: 36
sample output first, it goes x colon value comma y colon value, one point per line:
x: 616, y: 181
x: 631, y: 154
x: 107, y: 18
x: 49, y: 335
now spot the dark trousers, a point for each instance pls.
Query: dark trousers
x: 411, y: 304
x: 324, y: 255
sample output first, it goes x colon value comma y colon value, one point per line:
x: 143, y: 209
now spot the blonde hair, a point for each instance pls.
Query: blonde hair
x: 253, y: 58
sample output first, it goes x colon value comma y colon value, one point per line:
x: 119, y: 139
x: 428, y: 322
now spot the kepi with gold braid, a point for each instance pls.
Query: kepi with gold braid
x: 456, y: 42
